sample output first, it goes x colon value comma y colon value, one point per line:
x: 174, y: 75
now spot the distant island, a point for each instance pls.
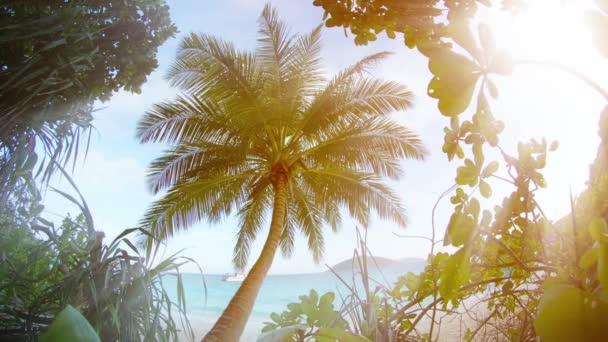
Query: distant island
x: 384, y: 264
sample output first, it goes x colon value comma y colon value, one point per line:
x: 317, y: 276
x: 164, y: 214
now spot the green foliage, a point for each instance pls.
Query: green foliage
x: 549, y: 278
x: 118, y: 289
x: 29, y: 283
x: 56, y: 59
x: 311, y: 317
x: 422, y: 23
x: 70, y: 325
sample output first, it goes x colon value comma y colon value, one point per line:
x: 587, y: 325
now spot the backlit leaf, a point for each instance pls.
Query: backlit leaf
x: 70, y: 325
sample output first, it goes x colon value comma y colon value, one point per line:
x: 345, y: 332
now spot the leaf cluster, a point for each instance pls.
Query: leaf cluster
x: 56, y: 59
x: 119, y: 289
x: 529, y: 271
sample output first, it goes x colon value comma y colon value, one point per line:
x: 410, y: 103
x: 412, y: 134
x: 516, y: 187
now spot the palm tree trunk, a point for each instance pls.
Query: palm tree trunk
x: 231, y: 323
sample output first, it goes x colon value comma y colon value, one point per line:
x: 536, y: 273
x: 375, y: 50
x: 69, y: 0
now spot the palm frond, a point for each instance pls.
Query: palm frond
x: 308, y: 218
x: 375, y: 145
x: 274, y: 43
x: 200, y: 160
x: 252, y: 216
x: 189, y: 202
x: 186, y: 119
x: 287, y: 242
x: 304, y: 74
x: 361, y: 98
x: 359, y: 192
x: 206, y: 64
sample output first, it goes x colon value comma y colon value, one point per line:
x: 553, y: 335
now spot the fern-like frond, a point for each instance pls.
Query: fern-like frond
x: 211, y: 68
x: 359, y: 192
x: 252, y: 216
x: 185, y: 119
x: 209, y: 64
x: 189, y: 202
x: 274, y: 43
x: 287, y: 242
x: 308, y: 218
x: 375, y: 145
x: 361, y: 98
x: 195, y: 161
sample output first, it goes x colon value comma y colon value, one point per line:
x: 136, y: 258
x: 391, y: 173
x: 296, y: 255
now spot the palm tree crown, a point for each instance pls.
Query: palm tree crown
x: 246, y: 118
x: 264, y: 132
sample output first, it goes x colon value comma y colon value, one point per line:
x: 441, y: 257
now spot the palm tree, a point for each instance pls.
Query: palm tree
x: 264, y: 133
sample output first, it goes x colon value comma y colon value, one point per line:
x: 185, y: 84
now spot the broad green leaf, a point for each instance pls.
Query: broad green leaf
x: 454, y: 92
x: 445, y: 62
x: 459, y: 229
x: 456, y: 273
x: 454, y: 81
x: 566, y: 313
x: 282, y: 334
x: 327, y: 298
x: 485, y: 189
x: 275, y: 317
x: 314, y: 297
x: 474, y: 208
x: 461, y: 33
x: 70, y: 325
x: 490, y: 169
x: 467, y: 174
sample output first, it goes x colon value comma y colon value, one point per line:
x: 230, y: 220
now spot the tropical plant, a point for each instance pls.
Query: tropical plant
x: 56, y: 59
x: 118, y: 289
x: 531, y: 271
x: 260, y: 132
x: 26, y: 271
x: 363, y: 315
x: 304, y: 320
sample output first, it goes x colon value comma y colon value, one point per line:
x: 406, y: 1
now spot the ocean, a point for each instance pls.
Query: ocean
x: 277, y: 291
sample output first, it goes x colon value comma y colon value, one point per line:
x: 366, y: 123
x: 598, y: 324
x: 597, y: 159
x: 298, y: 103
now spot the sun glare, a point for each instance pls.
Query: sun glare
x: 552, y: 30
x: 537, y: 101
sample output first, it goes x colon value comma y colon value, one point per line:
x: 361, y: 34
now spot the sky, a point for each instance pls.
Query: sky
x: 533, y: 103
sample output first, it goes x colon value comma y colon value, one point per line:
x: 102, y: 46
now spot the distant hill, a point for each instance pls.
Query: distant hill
x: 385, y: 264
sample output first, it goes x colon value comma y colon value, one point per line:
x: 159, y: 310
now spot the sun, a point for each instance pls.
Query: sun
x: 553, y: 30
x: 538, y: 101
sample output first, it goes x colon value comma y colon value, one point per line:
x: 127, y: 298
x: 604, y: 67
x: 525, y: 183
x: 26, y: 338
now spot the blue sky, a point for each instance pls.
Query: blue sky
x: 533, y: 103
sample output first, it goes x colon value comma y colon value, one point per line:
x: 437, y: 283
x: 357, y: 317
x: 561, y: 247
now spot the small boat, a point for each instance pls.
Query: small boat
x: 234, y: 277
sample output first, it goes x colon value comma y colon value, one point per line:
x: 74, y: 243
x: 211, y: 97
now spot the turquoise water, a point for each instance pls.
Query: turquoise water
x: 276, y: 292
